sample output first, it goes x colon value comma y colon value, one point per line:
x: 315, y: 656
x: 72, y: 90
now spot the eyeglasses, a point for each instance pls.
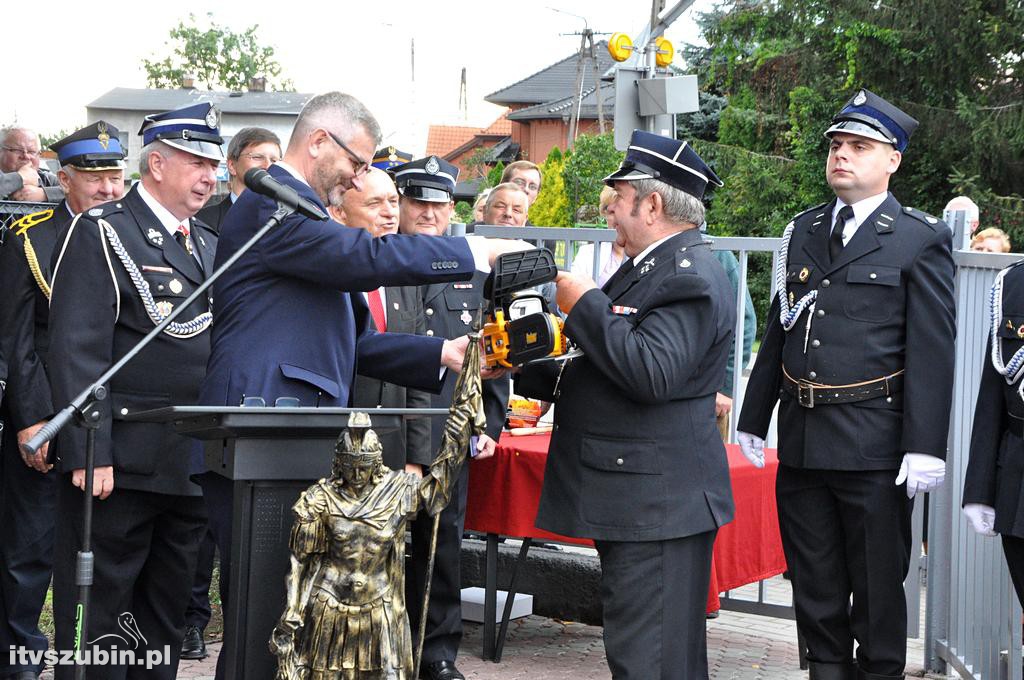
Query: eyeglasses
x: 22, y: 152
x: 261, y: 158
x: 359, y: 166
x: 532, y: 186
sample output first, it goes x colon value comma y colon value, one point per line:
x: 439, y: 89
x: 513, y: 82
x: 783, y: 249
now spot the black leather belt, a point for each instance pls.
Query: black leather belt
x: 810, y: 394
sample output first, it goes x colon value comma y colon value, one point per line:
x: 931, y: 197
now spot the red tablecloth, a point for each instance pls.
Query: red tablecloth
x: 504, y: 492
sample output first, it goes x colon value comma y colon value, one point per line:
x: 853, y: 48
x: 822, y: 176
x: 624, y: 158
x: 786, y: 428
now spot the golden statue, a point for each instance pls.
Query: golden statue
x: 345, y: 615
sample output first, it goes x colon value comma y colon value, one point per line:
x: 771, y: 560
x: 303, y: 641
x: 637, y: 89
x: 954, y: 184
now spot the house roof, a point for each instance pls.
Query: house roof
x: 554, y: 81
x: 442, y: 140
x: 147, y: 100
x: 562, y: 108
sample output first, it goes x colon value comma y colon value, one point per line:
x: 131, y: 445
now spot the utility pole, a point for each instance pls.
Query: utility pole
x: 587, y: 53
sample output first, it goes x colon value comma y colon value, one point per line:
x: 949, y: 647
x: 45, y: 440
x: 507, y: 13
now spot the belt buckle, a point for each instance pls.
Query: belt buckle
x: 804, y: 393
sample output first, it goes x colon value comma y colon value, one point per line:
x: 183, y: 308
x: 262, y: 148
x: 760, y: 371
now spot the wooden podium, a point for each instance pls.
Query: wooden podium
x: 271, y: 455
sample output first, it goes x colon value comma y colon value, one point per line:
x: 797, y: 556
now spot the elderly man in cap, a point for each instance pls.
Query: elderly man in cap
x: 21, y: 178
x: 857, y: 351
x: 427, y: 186
x: 92, y: 173
x: 636, y: 461
x: 122, y: 267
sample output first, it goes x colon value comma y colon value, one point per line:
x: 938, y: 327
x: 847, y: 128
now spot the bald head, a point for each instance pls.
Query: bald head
x: 20, y: 147
x: 374, y: 207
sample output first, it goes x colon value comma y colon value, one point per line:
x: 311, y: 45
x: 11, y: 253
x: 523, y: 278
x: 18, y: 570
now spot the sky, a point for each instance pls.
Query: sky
x: 361, y: 48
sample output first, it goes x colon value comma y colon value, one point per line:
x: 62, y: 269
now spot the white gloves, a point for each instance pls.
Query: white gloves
x: 921, y: 472
x: 752, y: 447
x: 982, y: 518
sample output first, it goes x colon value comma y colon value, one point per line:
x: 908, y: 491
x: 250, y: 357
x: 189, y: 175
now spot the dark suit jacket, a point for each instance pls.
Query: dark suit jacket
x: 450, y: 309
x: 995, y: 471
x: 97, y: 315
x: 636, y: 454
x: 212, y: 214
x: 884, y: 305
x: 24, y: 310
x: 411, y: 444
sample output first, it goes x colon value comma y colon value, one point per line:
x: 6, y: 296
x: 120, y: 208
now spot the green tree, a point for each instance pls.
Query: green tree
x: 494, y: 176
x: 551, y: 209
x: 593, y: 158
x: 216, y: 56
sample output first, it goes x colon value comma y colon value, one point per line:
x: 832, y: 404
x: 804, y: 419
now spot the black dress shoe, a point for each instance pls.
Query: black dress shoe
x: 441, y: 670
x: 193, y: 646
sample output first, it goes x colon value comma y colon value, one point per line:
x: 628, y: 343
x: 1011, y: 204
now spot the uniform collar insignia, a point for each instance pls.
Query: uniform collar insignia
x: 155, y: 236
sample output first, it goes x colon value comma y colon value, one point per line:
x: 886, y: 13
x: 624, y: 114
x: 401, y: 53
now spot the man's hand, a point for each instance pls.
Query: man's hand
x: 29, y: 175
x: 484, y: 447
x: 723, y: 405
x: 38, y: 460
x: 414, y: 469
x: 453, y: 352
x: 34, y: 194
x: 752, y: 447
x: 102, y: 480
x: 982, y: 518
x: 571, y: 288
x: 921, y: 472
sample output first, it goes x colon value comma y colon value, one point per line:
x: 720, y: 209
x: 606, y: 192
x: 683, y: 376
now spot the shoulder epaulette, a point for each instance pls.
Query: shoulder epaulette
x: 31, y: 220
x: 931, y: 221
x: 809, y: 210
x: 104, y: 210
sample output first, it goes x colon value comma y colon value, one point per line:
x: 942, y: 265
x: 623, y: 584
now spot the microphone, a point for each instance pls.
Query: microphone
x: 260, y: 181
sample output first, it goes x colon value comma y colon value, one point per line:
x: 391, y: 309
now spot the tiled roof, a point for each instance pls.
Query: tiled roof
x: 562, y: 108
x: 554, y: 81
x: 133, y: 99
x: 443, y: 139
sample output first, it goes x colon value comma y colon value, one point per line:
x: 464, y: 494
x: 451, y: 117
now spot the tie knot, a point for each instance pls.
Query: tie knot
x: 183, y: 229
x: 845, y: 213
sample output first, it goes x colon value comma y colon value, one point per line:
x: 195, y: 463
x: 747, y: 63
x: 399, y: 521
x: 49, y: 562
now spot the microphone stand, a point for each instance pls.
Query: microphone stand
x: 83, y: 410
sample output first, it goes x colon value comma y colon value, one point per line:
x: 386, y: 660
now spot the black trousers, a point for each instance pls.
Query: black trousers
x: 199, y: 612
x: 145, y: 546
x: 444, y: 612
x: 218, y: 496
x: 26, y: 552
x: 848, y: 533
x: 1013, y: 548
x: 655, y: 595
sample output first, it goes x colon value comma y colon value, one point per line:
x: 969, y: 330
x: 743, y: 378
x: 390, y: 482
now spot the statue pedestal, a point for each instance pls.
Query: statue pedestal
x: 271, y: 455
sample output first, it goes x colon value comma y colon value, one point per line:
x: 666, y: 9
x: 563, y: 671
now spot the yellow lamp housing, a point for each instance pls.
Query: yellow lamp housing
x: 665, y: 52
x: 620, y: 46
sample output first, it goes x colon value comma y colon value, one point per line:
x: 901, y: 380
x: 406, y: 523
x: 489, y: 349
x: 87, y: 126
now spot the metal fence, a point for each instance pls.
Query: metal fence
x: 12, y: 211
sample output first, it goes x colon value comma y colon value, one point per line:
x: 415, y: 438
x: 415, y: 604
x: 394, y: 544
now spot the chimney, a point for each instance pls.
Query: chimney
x: 188, y: 81
x: 257, y: 84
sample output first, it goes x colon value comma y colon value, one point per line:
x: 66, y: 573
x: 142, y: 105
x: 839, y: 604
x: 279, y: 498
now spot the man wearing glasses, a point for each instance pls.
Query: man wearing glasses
x: 526, y: 175
x: 251, y: 147
x: 286, y: 323
x: 21, y: 178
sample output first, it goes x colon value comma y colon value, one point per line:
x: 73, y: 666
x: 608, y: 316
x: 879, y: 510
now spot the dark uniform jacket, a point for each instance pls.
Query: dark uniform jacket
x: 450, y: 309
x: 995, y: 472
x: 212, y: 214
x: 884, y: 305
x: 24, y: 309
x: 286, y: 324
x: 411, y: 443
x: 636, y: 454
x: 97, y: 315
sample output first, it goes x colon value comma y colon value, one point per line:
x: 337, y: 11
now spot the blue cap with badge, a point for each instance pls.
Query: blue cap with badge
x: 672, y: 161
x: 94, y: 147
x: 390, y: 157
x: 194, y: 129
x: 427, y: 179
x: 868, y: 115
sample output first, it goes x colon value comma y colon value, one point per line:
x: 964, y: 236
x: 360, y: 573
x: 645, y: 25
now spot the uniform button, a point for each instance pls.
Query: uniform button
x: 872, y: 276
x: 429, y: 332
x: 825, y: 283
x: 433, y: 265
x: 812, y: 375
x: 820, y: 313
x: 430, y: 311
x: 160, y: 287
x: 124, y: 411
x: 619, y: 461
x: 816, y: 343
x: 888, y: 400
x: 465, y: 304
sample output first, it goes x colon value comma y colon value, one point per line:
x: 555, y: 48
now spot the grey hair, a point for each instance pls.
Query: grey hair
x: 679, y: 207
x: 505, y: 186
x: 6, y: 132
x: 155, y: 146
x: 335, y: 110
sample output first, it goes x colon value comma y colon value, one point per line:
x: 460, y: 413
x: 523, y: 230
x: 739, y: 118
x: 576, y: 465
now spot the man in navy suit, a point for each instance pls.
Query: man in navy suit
x: 286, y: 324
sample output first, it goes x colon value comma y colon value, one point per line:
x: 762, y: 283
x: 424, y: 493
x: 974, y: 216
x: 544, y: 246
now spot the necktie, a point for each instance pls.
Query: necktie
x: 835, y: 240
x: 377, y: 310
x: 181, y: 236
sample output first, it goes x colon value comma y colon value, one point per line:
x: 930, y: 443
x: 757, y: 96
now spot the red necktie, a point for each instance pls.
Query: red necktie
x: 377, y: 310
